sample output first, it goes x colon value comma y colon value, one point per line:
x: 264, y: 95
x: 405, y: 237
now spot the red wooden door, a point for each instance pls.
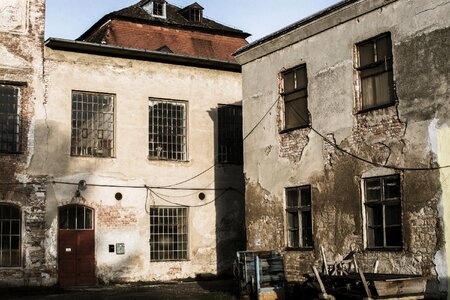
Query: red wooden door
x: 76, y: 246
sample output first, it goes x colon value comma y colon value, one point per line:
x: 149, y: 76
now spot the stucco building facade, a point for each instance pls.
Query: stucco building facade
x: 346, y: 118
x: 130, y: 158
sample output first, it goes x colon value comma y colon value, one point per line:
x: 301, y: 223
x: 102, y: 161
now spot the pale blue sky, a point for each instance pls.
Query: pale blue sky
x: 70, y: 18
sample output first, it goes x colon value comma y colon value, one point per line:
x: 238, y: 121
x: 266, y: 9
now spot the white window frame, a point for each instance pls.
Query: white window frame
x: 148, y: 7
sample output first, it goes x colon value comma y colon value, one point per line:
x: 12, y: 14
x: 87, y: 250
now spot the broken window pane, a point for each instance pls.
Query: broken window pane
x: 383, y: 211
x: 394, y: 236
x: 92, y: 124
x: 375, y: 71
x: 298, y: 217
x: 167, y: 129
x: 168, y: 234
x: 9, y: 119
x: 295, y: 98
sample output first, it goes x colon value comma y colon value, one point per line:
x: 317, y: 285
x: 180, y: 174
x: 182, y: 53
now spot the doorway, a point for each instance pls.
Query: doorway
x: 76, y: 246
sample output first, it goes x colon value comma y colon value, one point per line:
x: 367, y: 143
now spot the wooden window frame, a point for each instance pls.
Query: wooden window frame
x: 305, y: 235
x: 372, y: 70
x: 299, y: 94
x: 382, y: 205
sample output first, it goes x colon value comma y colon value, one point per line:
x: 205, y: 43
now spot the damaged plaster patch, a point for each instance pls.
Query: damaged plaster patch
x: 328, y: 149
x: 433, y: 136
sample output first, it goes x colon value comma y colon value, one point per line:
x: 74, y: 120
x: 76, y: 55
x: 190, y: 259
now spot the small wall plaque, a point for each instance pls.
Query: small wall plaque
x: 120, y: 248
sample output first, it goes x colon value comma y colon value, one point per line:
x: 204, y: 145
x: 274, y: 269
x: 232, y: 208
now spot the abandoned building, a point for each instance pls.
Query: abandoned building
x: 346, y: 138
x: 22, y: 198
x: 121, y: 152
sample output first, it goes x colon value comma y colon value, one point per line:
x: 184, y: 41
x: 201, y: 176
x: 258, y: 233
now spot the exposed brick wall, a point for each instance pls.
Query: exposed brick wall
x: 150, y: 37
x: 116, y: 216
x: 21, y: 64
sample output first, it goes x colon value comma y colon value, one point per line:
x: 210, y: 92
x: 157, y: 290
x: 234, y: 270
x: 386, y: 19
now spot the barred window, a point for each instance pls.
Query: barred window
x: 295, y: 94
x: 375, y: 72
x: 299, y: 217
x: 10, y: 241
x: 230, y: 134
x: 167, y: 129
x: 168, y: 233
x: 9, y: 119
x: 92, y: 124
x: 383, y: 212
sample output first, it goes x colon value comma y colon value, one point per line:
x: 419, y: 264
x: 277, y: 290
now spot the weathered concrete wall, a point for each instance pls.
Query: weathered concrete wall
x: 398, y: 135
x: 126, y: 221
x: 21, y: 65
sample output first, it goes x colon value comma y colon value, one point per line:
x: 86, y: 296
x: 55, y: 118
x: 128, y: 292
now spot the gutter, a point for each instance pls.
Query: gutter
x: 140, y: 54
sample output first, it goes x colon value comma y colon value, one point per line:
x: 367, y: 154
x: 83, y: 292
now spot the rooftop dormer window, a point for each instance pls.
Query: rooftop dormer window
x: 193, y: 12
x: 195, y: 15
x: 156, y: 8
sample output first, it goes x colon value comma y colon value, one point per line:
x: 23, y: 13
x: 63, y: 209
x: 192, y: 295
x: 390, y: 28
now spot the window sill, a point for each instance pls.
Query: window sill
x: 294, y: 128
x: 152, y: 159
x: 366, y: 110
x: 11, y: 268
x: 393, y: 249
x: 11, y: 153
x: 90, y: 156
x: 306, y: 249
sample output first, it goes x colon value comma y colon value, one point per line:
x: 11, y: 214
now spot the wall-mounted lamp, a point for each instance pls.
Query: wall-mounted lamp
x: 82, y: 185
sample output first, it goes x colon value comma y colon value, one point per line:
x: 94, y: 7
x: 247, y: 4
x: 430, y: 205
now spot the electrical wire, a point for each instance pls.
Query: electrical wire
x: 190, y: 206
x: 364, y: 159
x: 263, y: 117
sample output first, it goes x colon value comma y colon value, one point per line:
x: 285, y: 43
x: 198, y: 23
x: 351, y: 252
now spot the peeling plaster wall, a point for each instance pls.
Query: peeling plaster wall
x: 398, y: 135
x: 21, y: 65
x: 216, y: 230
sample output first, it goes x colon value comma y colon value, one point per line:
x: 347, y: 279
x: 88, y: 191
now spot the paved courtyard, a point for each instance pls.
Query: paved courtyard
x: 201, y: 290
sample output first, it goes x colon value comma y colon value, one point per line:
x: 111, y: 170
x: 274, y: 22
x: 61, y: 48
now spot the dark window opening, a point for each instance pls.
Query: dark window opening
x: 168, y: 234
x: 295, y: 96
x: 230, y: 134
x: 299, y: 217
x: 195, y: 15
x: 74, y: 217
x: 92, y: 124
x: 9, y: 119
x: 167, y: 129
x: 10, y: 236
x: 383, y: 211
x: 375, y: 72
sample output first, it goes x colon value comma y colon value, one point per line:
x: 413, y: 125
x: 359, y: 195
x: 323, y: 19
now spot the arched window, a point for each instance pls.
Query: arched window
x: 10, y: 241
x: 74, y: 217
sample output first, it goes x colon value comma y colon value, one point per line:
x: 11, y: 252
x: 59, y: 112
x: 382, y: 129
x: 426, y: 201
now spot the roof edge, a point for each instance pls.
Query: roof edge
x: 295, y: 25
x: 103, y: 20
x: 146, y: 55
x: 112, y: 16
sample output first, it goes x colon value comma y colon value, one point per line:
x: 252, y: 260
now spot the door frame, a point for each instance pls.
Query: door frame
x: 75, y: 230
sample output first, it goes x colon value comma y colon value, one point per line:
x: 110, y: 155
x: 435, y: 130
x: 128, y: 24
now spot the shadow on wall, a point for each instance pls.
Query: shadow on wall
x: 229, y: 206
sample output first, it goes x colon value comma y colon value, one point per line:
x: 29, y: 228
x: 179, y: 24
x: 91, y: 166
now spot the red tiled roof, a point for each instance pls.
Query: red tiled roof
x: 133, y: 27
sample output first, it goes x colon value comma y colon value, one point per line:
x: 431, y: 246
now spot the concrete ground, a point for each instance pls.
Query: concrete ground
x: 196, y: 290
